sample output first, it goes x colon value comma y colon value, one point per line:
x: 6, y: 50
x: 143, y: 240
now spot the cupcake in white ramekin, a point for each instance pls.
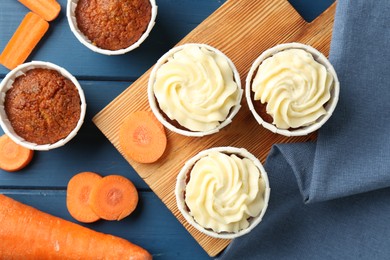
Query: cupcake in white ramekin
x: 42, y: 106
x: 111, y: 27
x: 223, y: 192
x: 194, y: 90
x: 292, y: 89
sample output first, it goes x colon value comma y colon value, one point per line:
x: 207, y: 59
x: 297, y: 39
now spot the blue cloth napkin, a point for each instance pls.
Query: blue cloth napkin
x: 331, y: 199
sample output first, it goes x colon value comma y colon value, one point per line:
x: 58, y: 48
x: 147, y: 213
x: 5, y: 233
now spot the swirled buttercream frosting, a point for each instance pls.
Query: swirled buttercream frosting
x: 196, y: 88
x: 224, y: 192
x: 295, y: 87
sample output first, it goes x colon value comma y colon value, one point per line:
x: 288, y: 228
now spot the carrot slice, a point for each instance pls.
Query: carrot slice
x: 47, y: 9
x: 13, y: 157
x: 142, y: 137
x: 27, y: 233
x: 26, y: 37
x: 113, y: 198
x: 77, y: 196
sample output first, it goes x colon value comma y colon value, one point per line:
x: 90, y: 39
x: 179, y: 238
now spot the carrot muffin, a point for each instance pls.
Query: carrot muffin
x: 291, y: 87
x: 223, y: 191
x: 113, y: 24
x: 194, y: 89
x: 42, y: 106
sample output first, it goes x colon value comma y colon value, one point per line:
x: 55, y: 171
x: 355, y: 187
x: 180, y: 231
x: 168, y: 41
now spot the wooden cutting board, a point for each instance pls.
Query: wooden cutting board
x: 242, y: 29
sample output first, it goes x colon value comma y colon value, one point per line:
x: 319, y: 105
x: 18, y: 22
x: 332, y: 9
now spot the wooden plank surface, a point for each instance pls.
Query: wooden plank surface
x: 242, y: 29
x: 61, y: 47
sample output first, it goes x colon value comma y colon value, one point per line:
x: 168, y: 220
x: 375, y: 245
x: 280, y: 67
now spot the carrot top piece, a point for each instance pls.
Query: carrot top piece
x: 13, y: 157
x: 142, y: 137
x: 77, y: 196
x: 26, y: 37
x: 113, y: 198
x: 47, y: 9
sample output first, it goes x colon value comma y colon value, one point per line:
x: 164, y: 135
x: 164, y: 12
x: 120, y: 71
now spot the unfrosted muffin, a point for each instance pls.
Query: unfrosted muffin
x: 111, y: 27
x: 223, y: 192
x: 292, y: 89
x: 42, y: 105
x: 194, y: 90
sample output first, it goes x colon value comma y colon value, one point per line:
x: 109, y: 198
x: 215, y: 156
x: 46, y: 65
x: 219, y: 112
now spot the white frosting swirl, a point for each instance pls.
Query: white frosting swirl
x: 196, y: 88
x: 224, y: 192
x: 294, y: 86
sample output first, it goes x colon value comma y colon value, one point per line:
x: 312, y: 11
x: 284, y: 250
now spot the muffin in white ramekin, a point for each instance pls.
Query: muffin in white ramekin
x: 42, y: 111
x: 292, y: 89
x: 223, y: 192
x: 116, y: 21
x: 194, y: 90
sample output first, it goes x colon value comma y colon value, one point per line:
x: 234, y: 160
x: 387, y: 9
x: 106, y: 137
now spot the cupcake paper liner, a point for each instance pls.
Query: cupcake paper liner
x: 70, y: 14
x: 330, y: 106
x: 154, y: 103
x: 6, y: 84
x: 181, y: 186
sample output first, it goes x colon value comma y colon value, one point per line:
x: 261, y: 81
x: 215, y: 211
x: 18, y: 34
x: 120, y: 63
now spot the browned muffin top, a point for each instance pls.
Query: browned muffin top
x: 42, y: 106
x: 113, y: 24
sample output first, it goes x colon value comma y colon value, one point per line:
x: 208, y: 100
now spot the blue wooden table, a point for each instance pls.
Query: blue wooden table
x: 43, y: 183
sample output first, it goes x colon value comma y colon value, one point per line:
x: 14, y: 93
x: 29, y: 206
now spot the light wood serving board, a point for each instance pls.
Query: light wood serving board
x: 242, y: 29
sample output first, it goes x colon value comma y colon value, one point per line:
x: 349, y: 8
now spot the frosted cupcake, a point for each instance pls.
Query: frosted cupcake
x: 194, y: 90
x: 42, y: 105
x: 292, y: 89
x: 223, y: 192
x: 111, y: 27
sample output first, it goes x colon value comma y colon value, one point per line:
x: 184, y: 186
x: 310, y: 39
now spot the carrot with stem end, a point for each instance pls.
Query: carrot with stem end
x: 13, y: 157
x: 142, y: 137
x: 113, y: 198
x: 77, y: 196
x: 26, y: 37
x: 47, y: 9
x: 27, y: 233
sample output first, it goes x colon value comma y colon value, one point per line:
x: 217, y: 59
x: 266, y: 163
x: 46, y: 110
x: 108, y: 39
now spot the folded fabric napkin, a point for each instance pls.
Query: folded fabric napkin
x: 344, y: 177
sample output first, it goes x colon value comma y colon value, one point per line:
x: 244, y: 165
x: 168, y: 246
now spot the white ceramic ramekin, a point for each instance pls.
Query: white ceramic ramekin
x: 330, y: 105
x: 6, y: 84
x: 70, y: 13
x: 181, y: 183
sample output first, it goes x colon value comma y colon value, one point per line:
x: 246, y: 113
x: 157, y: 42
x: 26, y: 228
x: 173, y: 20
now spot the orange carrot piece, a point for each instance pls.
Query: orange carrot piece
x: 142, y: 137
x: 26, y: 37
x: 27, y: 233
x: 47, y: 9
x: 77, y: 196
x: 13, y: 157
x: 113, y: 198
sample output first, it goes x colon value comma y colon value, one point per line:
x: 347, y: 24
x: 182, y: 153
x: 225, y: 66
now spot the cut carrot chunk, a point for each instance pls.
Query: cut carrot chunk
x: 27, y: 233
x: 13, y: 157
x: 47, y: 9
x: 113, y: 198
x: 142, y: 137
x: 24, y: 40
x: 77, y: 196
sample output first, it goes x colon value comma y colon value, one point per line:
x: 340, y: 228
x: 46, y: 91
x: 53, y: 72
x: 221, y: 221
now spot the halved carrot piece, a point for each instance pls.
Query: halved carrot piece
x: 114, y: 197
x: 13, y: 157
x: 47, y: 9
x: 77, y: 196
x: 26, y: 37
x: 142, y: 137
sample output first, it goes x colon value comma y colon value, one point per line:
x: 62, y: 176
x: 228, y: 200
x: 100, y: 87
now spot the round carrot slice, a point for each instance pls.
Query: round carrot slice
x: 142, y: 137
x: 77, y: 196
x: 113, y: 198
x: 13, y: 157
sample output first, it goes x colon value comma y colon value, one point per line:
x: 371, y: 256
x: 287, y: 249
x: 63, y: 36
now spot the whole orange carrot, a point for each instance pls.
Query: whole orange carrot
x: 26, y: 37
x: 27, y: 233
x: 47, y: 9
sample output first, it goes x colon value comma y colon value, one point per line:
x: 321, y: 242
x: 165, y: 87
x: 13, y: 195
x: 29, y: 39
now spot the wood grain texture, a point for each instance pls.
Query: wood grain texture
x: 242, y: 29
